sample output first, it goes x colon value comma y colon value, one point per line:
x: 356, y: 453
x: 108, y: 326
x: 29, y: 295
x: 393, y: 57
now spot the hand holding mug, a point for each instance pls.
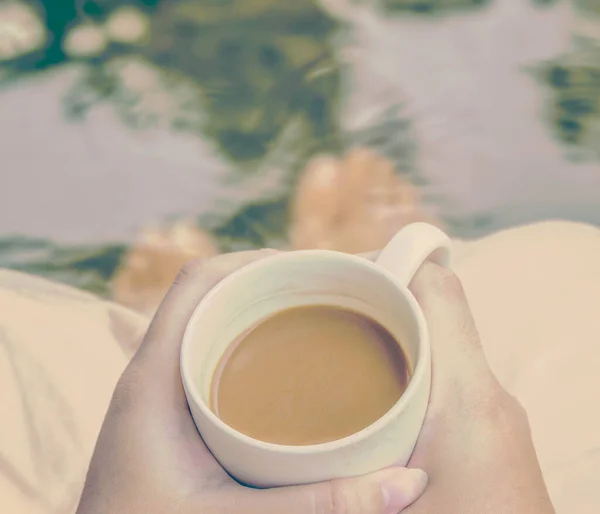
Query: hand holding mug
x: 150, y: 459
x: 475, y: 443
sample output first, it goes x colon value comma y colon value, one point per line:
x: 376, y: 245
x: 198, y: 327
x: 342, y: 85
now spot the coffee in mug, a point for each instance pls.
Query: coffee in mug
x: 309, y: 375
x: 261, y: 337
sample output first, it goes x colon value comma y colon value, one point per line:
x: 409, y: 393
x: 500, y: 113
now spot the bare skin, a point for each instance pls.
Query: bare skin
x: 476, y: 443
x: 475, y: 446
x: 149, y: 458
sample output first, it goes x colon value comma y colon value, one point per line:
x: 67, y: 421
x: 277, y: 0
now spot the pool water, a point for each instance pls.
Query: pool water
x: 128, y: 118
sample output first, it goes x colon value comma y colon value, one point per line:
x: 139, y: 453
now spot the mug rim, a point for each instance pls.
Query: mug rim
x: 419, y: 372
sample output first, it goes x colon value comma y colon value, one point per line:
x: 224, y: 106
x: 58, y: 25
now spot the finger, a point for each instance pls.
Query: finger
x: 159, y: 352
x: 455, y: 343
x: 385, y: 492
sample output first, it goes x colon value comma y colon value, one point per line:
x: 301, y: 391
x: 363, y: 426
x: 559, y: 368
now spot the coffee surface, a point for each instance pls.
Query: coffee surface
x: 309, y: 375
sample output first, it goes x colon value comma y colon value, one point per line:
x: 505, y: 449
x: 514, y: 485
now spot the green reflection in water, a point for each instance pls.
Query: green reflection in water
x: 249, y: 66
x: 432, y: 7
x: 573, y: 99
x: 258, y: 64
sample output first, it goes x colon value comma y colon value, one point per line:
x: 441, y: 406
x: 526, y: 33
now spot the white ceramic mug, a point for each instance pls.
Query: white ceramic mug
x: 378, y: 290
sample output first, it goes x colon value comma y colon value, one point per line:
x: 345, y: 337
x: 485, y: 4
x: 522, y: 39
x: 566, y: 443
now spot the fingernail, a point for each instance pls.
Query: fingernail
x: 401, y: 487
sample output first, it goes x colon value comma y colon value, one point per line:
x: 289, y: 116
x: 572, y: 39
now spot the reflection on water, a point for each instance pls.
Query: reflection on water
x: 236, y: 71
x: 361, y: 116
x: 256, y: 65
x: 574, y: 104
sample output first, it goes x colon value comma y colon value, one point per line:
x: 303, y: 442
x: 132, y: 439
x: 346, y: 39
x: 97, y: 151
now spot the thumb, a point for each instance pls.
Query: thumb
x: 385, y: 492
x: 455, y: 344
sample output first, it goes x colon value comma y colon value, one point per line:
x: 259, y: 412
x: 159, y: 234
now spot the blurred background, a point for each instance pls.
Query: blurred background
x: 138, y: 134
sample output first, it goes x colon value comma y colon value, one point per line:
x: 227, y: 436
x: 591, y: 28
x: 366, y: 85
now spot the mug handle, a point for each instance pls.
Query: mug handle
x: 411, y: 247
